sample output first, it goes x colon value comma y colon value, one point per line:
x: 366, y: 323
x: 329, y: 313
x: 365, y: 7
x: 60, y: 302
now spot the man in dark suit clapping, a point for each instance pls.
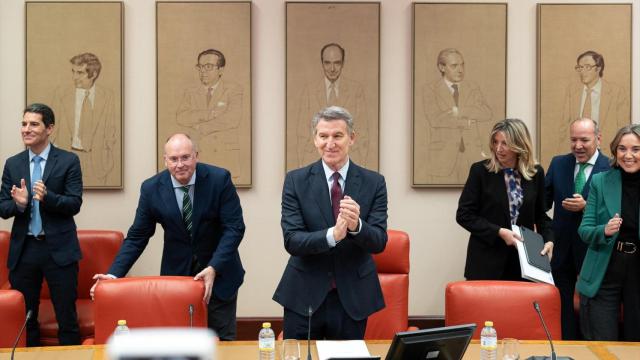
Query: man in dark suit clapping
x: 42, y: 191
x: 334, y: 216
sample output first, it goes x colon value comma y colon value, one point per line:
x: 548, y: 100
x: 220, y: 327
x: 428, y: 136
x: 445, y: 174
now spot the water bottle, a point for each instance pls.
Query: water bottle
x: 122, y: 328
x: 488, y: 342
x: 267, y: 342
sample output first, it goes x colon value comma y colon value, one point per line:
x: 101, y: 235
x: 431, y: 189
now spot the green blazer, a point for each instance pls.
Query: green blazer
x: 603, y: 203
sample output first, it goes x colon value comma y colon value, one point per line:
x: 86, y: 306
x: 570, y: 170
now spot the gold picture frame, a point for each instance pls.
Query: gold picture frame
x: 204, y: 82
x: 74, y: 63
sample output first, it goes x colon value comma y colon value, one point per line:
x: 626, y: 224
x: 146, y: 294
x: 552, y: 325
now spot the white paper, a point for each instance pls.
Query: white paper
x: 346, y: 348
x: 527, y: 270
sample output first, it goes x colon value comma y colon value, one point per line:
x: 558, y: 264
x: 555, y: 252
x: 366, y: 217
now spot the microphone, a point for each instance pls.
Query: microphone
x: 536, y: 306
x: 309, y: 334
x: 15, y: 344
x: 190, y: 315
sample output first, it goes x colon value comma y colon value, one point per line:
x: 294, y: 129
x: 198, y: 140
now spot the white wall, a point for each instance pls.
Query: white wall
x: 428, y: 215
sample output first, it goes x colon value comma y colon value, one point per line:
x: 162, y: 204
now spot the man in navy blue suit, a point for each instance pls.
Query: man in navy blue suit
x: 199, y: 210
x: 42, y: 191
x: 334, y: 216
x: 567, y: 187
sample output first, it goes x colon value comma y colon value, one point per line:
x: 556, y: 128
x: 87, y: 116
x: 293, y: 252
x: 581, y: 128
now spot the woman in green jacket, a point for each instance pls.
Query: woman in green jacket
x: 610, y: 274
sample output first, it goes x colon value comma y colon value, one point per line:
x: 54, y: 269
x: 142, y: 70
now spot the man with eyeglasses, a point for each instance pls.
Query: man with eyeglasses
x: 214, y: 110
x: 199, y: 210
x: 594, y: 98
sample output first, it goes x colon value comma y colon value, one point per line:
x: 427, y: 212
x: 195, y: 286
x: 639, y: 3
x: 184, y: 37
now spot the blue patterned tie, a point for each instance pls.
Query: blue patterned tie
x: 35, y: 226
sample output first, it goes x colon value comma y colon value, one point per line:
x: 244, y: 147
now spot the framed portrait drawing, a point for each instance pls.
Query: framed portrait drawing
x: 204, y: 81
x: 459, y: 87
x: 74, y: 55
x: 333, y: 58
x: 575, y: 42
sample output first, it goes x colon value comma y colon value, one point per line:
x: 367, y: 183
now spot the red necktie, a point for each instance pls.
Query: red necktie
x: 336, y: 195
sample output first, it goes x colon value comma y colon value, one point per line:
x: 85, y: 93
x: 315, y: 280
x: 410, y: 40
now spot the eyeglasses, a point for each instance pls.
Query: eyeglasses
x: 206, y: 67
x: 587, y: 67
x: 174, y: 160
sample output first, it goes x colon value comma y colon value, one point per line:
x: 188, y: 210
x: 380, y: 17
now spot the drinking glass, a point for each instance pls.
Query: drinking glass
x: 510, y: 349
x: 290, y: 349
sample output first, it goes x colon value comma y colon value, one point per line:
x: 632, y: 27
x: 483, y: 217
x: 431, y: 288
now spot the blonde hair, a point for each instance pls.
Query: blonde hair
x: 519, y: 141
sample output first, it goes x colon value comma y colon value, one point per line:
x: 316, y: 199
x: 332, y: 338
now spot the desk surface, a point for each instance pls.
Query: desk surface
x: 579, y: 350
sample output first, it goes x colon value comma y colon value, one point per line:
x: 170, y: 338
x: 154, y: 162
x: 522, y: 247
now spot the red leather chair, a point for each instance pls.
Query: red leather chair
x: 148, y: 301
x: 99, y: 248
x: 5, y: 236
x: 509, y: 304
x: 12, y: 313
x: 393, y: 271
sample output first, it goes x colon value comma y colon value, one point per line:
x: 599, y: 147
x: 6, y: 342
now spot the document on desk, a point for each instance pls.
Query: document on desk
x: 529, y: 271
x: 348, y: 349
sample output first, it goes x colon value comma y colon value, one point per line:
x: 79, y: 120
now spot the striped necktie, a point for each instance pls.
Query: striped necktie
x: 187, y: 210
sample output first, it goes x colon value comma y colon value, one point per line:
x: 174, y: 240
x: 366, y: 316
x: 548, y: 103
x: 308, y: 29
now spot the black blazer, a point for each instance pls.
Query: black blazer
x: 218, y: 228
x: 559, y: 185
x: 483, y: 209
x: 306, y: 216
x: 63, y: 178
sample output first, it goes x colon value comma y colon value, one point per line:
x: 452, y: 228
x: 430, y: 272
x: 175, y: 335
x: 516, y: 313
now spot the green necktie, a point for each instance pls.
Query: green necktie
x: 581, y: 179
x: 187, y: 209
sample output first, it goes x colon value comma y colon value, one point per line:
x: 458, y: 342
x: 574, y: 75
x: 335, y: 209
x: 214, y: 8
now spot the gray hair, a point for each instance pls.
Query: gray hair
x: 596, y: 127
x: 444, y: 53
x: 332, y: 113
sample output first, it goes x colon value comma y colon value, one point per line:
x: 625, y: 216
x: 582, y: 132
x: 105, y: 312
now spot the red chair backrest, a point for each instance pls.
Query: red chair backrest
x: 148, y: 301
x: 393, y: 271
x: 99, y: 248
x: 12, y: 313
x: 5, y: 236
x: 509, y: 304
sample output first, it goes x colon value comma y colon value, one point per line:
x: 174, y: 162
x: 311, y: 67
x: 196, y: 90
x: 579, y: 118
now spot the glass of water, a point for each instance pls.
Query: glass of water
x: 510, y: 349
x: 290, y: 349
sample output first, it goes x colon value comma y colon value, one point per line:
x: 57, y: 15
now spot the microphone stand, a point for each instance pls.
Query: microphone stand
x: 309, y: 335
x: 15, y: 344
x: 536, y: 306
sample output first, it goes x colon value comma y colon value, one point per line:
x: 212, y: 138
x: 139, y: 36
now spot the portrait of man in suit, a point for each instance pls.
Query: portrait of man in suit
x: 334, y: 217
x: 334, y: 89
x: 87, y: 124
x: 455, y: 111
x: 199, y: 210
x: 42, y: 192
x: 595, y: 98
x: 214, y: 110
x: 567, y: 188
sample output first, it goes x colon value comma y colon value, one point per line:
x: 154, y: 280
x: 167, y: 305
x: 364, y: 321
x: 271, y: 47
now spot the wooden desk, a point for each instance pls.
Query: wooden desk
x: 248, y: 350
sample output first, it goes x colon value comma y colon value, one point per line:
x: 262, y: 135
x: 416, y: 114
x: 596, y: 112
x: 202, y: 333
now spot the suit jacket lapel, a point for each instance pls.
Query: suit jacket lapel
x: 201, y: 193
x: 501, y: 188
x: 605, y: 100
x: 600, y: 165
x: 168, y: 196
x: 26, y: 170
x: 445, y: 94
x: 320, y: 190
x: 613, y: 199
x: 50, y: 165
x: 354, y: 181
